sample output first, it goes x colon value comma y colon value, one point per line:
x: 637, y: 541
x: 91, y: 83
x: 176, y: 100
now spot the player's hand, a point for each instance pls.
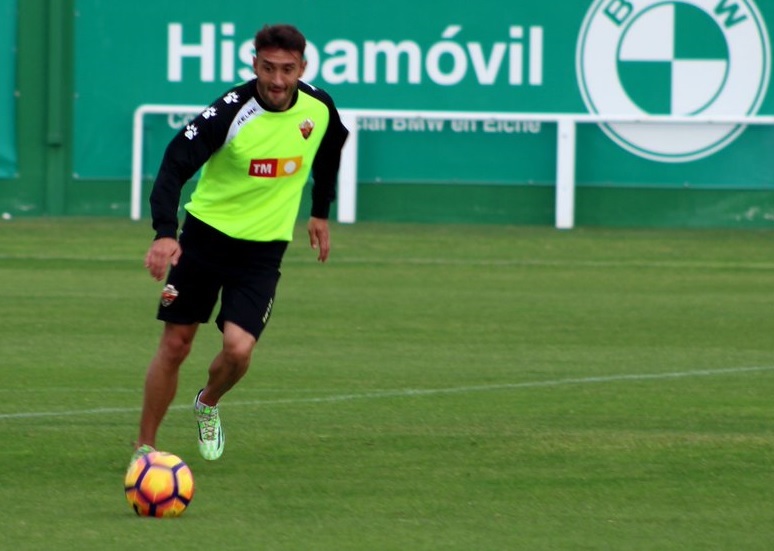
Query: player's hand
x: 319, y: 237
x: 162, y: 253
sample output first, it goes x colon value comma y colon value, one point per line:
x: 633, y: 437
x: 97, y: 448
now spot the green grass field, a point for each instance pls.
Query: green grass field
x: 430, y: 388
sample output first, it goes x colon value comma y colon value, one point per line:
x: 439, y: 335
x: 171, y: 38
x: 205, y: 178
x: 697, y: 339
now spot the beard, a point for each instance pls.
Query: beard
x: 278, y: 98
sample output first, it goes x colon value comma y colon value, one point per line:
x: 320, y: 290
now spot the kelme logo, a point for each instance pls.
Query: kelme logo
x: 681, y: 58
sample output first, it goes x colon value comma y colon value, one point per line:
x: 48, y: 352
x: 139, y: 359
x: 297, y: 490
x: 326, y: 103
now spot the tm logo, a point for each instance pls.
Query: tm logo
x: 684, y: 58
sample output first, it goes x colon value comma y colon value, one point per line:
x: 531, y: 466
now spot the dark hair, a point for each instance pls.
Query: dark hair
x: 284, y: 37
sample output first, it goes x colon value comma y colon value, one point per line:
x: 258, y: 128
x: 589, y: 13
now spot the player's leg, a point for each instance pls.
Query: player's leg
x: 188, y: 298
x: 226, y: 369
x: 162, y: 376
x: 246, y: 303
x: 230, y: 364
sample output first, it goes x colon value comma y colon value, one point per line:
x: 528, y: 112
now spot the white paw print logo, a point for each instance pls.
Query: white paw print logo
x: 191, y: 131
x: 231, y: 97
x: 209, y: 112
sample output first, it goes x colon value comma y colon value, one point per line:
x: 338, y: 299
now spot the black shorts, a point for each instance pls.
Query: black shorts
x: 243, y: 273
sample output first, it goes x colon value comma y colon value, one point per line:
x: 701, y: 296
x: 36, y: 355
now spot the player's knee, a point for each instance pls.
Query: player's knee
x: 176, y: 351
x: 238, y: 346
x: 238, y: 352
x: 176, y: 345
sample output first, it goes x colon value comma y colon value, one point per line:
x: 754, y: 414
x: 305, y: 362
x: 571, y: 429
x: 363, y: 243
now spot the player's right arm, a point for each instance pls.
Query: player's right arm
x: 163, y: 252
x: 185, y: 154
x: 182, y: 158
x: 191, y: 147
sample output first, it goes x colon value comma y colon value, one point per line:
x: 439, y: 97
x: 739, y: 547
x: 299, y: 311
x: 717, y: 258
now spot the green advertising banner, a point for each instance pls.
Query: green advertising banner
x: 7, y: 88
x: 687, y: 58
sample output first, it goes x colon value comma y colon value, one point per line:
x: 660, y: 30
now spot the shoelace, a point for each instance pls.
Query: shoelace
x: 208, y: 423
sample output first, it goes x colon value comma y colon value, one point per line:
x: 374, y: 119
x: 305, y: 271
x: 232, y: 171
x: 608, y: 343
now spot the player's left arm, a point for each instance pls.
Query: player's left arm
x: 325, y: 171
x: 327, y: 160
x: 319, y: 237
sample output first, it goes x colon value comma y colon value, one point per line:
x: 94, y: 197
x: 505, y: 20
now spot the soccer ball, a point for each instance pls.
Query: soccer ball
x: 159, y: 484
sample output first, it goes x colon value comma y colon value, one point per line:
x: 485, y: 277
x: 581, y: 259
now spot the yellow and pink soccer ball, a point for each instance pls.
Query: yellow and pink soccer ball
x: 159, y: 484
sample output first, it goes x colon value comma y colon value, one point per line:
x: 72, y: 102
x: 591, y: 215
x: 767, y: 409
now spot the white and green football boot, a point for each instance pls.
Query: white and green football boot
x: 211, y: 437
x: 145, y: 449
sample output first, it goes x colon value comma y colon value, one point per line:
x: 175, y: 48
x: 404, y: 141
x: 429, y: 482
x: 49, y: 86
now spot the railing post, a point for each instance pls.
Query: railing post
x: 565, y: 173
x: 347, y: 196
x: 137, y: 139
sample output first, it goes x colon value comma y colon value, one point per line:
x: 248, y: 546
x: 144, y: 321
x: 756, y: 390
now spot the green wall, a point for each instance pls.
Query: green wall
x: 8, y: 160
x: 78, y: 81
x: 43, y: 181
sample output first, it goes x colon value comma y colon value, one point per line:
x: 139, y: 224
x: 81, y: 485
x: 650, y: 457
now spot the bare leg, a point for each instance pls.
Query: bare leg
x: 230, y: 364
x: 161, y: 378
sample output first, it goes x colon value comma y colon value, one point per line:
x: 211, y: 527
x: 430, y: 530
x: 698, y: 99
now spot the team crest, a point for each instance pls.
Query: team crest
x: 686, y: 58
x: 168, y: 295
x: 306, y: 128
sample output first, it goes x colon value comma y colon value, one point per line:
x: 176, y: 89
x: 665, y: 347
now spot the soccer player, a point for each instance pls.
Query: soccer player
x: 256, y: 146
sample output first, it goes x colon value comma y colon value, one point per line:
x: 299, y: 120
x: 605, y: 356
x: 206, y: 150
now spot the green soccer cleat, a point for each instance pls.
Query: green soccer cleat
x: 212, y: 440
x: 145, y: 449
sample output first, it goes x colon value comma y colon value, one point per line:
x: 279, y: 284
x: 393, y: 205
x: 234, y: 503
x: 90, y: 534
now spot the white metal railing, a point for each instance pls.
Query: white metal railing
x: 347, y: 195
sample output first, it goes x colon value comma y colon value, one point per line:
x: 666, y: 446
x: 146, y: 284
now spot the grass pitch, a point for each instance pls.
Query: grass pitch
x: 430, y: 387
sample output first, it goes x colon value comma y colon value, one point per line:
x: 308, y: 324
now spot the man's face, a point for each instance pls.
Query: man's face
x: 278, y: 72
